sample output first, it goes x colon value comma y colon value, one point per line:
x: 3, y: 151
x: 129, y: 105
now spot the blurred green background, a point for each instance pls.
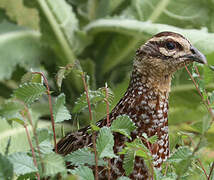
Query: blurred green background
x: 44, y: 35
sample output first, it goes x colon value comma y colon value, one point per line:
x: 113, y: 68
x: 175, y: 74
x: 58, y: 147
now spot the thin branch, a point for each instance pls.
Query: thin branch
x: 31, y: 146
x: 94, y: 133
x: 205, y: 173
x: 50, y: 106
x: 36, y: 137
x: 108, y: 124
x: 195, y: 149
x: 150, y: 149
x: 207, y: 102
x: 107, y: 105
x: 211, y: 170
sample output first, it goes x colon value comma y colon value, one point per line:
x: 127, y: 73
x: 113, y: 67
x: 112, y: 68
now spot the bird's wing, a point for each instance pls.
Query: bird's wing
x: 73, y: 141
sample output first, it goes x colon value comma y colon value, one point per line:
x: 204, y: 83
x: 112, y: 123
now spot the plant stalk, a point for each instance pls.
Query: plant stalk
x: 50, y: 106
x: 31, y: 146
x: 91, y: 118
x: 58, y: 32
x: 108, y: 124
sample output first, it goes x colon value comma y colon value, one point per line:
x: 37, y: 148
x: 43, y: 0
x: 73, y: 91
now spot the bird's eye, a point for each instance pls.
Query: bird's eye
x: 170, y: 45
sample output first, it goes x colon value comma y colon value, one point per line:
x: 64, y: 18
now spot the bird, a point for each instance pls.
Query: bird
x: 146, y: 102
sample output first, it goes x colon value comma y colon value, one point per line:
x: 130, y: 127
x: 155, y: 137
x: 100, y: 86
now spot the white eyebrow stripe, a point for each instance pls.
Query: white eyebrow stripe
x: 182, y: 41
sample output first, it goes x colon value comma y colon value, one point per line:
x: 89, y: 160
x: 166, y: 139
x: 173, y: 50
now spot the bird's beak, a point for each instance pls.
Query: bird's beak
x: 196, y: 56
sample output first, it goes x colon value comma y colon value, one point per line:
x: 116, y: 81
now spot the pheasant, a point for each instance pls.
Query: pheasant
x: 145, y: 102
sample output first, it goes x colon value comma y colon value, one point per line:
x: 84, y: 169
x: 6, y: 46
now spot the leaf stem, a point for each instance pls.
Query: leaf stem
x: 161, y: 6
x: 94, y: 133
x: 58, y: 32
x: 92, y: 6
x: 50, y: 106
x: 205, y: 173
x: 108, y: 124
x: 36, y: 137
x: 211, y: 170
x: 207, y: 102
x: 31, y: 145
x: 107, y: 105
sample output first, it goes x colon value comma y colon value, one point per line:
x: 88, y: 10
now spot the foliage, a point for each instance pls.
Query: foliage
x: 72, y: 39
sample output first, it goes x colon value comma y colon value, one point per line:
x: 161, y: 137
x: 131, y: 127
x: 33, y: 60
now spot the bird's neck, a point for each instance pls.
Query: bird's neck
x: 146, y: 103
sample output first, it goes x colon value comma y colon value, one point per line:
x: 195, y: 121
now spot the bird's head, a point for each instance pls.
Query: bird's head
x: 165, y: 53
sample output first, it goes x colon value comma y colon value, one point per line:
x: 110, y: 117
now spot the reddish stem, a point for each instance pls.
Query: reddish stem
x: 107, y: 106
x: 207, y: 102
x: 50, y: 107
x: 205, y: 173
x: 36, y: 137
x: 202, y: 167
x: 94, y: 133
x: 31, y: 146
x: 211, y: 170
x: 108, y: 124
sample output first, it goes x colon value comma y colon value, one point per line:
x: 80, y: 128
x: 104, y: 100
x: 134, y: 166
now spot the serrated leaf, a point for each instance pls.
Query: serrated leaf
x: 128, y: 162
x: 94, y: 97
x: 22, y: 163
x: 203, y: 125
x: 105, y: 143
x: 83, y: 172
x: 124, y: 125
x: 6, y: 168
x: 54, y: 164
x: 153, y: 139
x: 46, y: 147
x: 10, y: 109
x: 29, y: 77
x: 29, y: 92
x: 60, y: 76
x: 83, y: 156
x: 181, y: 154
x: 60, y: 112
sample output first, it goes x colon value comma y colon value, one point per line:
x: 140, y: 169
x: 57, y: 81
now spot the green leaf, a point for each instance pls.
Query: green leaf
x: 18, y: 136
x: 83, y: 156
x: 54, y: 164
x: 60, y: 112
x: 203, y: 125
x: 22, y: 163
x: 19, y: 120
x: 124, y: 125
x: 29, y: 92
x: 182, y: 153
x: 30, y: 77
x: 128, y: 162
x: 200, y: 38
x: 6, y: 168
x: 94, y: 97
x: 27, y: 18
x: 25, y: 45
x: 105, y: 143
x: 58, y: 25
x: 83, y: 172
x: 153, y: 139
x: 211, y: 97
x: 10, y: 109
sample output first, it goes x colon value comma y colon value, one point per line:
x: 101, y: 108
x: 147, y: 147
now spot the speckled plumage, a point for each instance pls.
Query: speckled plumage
x: 145, y: 102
